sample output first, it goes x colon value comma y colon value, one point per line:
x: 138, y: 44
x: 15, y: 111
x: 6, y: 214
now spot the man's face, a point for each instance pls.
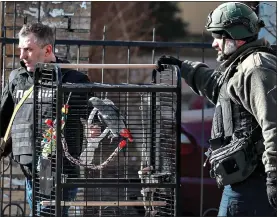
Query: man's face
x: 230, y: 46
x: 30, y: 52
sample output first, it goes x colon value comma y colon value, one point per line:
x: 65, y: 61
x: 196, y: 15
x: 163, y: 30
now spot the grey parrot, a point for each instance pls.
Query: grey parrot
x: 112, y: 117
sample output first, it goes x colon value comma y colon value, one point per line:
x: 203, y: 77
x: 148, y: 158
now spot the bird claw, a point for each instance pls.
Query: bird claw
x: 111, y: 138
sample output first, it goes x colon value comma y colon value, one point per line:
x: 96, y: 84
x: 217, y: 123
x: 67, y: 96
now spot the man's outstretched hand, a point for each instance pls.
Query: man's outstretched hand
x: 168, y: 60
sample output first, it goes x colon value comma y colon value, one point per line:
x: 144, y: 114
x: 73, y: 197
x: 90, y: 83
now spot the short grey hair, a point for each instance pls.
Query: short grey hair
x: 43, y: 34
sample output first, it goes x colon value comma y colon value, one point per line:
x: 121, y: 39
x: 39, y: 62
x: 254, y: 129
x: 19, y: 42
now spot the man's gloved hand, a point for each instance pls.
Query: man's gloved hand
x: 271, y: 188
x: 167, y: 60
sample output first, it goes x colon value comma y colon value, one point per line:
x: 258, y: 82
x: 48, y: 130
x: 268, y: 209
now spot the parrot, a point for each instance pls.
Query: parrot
x: 112, y: 117
x: 109, y: 115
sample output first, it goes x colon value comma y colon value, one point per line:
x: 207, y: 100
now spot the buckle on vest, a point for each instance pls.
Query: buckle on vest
x: 216, y: 143
x: 207, y: 154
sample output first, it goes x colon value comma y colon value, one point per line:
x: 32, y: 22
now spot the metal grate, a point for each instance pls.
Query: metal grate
x: 130, y: 169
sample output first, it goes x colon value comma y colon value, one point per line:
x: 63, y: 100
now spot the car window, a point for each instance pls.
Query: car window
x: 184, y: 138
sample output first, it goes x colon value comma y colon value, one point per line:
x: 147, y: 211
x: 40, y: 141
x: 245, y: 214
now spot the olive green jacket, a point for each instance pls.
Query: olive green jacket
x: 253, y: 85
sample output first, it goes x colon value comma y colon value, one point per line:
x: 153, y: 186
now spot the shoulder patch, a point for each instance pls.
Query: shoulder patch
x: 257, y: 59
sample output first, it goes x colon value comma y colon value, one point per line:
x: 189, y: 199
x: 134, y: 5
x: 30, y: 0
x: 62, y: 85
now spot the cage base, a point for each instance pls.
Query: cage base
x: 105, y: 203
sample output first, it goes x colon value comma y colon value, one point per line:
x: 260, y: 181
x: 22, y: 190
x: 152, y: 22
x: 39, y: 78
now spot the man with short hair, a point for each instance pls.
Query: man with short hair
x: 243, y: 144
x: 36, y: 43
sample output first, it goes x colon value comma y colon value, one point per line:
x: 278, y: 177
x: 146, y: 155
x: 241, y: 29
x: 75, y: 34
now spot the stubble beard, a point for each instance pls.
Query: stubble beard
x: 229, y: 49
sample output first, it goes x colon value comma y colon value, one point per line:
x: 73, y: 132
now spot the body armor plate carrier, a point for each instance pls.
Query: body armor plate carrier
x: 232, y: 154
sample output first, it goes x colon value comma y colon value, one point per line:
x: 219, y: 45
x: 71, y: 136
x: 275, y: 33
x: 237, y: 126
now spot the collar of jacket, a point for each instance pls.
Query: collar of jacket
x: 23, y: 68
x: 241, y: 51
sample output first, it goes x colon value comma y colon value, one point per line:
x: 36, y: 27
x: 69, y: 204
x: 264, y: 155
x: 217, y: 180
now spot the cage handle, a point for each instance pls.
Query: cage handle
x: 106, y: 66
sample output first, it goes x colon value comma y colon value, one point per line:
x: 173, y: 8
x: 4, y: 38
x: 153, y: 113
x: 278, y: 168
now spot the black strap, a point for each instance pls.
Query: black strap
x: 256, y: 134
x: 26, y: 171
x: 226, y: 104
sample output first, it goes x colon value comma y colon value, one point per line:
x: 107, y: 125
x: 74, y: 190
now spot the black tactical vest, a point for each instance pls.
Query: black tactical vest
x: 230, y: 119
x: 22, y: 129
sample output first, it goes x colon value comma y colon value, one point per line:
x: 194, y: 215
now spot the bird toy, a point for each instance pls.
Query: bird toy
x: 49, y: 137
x: 108, y: 114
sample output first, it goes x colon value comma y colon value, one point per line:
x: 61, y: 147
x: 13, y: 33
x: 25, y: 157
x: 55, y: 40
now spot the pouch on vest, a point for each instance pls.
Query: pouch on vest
x: 236, y: 157
x: 46, y: 177
x: 234, y: 162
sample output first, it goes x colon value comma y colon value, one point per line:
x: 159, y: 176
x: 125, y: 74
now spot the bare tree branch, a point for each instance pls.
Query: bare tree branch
x: 131, y: 19
x: 268, y: 14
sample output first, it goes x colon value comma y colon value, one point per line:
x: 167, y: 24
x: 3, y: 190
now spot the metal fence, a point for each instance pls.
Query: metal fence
x: 13, y: 194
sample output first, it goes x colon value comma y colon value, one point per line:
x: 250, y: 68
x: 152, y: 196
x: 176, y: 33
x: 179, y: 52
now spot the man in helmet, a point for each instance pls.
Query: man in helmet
x: 243, y: 145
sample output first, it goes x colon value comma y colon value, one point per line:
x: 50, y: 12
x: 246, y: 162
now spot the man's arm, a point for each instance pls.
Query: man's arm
x: 78, y: 109
x: 6, y: 111
x: 202, y: 80
x: 256, y: 91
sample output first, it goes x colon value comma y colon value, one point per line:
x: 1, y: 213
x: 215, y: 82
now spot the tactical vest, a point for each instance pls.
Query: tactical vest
x: 230, y: 119
x: 22, y: 131
x: 22, y: 128
x: 235, y: 132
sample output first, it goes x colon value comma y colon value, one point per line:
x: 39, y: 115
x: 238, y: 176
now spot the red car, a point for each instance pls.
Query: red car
x: 200, y: 195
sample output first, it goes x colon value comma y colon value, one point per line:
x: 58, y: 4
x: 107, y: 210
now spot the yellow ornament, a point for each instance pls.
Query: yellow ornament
x: 65, y: 109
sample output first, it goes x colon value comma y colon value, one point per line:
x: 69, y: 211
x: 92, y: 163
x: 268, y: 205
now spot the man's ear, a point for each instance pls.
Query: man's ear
x: 240, y: 43
x: 48, y: 50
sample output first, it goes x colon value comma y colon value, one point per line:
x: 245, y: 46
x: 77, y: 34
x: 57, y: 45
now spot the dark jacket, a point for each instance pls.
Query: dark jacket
x: 22, y: 129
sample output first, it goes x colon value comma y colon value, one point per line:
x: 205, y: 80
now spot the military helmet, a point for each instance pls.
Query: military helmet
x: 236, y: 19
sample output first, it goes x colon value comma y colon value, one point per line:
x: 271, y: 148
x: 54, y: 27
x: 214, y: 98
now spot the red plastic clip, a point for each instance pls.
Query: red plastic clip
x: 122, y: 144
x: 49, y: 122
x: 126, y: 134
